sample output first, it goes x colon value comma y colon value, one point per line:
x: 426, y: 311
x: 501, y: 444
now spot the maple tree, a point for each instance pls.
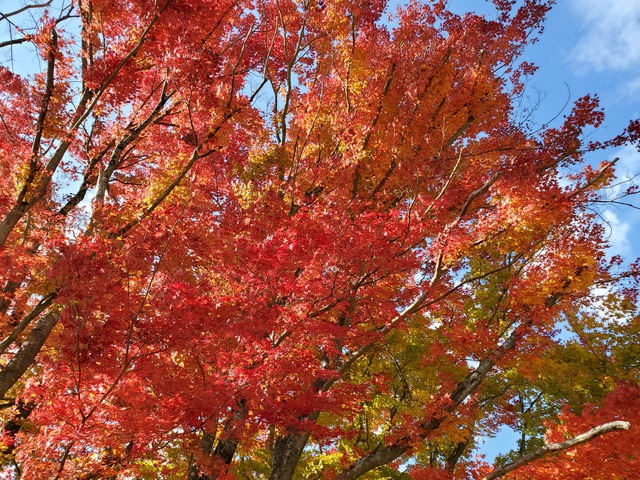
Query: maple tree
x: 287, y: 239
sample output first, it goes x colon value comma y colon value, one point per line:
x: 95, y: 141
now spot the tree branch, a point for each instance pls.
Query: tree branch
x: 38, y: 309
x: 462, y: 391
x: 134, y: 132
x: 558, y: 447
x: 24, y: 357
x: 195, y: 156
x: 25, y: 8
x: 14, y: 41
x: 597, y: 177
x: 22, y: 203
x: 374, y: 122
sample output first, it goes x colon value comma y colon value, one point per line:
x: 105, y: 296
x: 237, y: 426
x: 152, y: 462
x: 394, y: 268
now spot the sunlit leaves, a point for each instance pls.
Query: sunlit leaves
x: 273, y: 223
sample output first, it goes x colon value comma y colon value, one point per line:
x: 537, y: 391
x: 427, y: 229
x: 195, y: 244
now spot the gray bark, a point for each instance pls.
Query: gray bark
x: 558, y: 447
x: 27, y: 353
x: 286, y: 454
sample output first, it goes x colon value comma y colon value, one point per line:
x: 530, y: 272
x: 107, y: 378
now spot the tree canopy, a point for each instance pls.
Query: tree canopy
x: 296, y: 239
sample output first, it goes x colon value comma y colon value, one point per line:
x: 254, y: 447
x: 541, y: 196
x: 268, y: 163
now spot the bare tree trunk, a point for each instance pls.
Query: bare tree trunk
x: 286, y: 453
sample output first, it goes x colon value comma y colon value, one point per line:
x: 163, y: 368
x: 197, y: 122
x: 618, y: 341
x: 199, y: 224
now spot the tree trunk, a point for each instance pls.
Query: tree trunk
x: 27, y: 353
x: 286, y: 453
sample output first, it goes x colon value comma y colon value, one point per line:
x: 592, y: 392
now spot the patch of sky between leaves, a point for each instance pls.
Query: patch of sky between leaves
x: 616, y: 211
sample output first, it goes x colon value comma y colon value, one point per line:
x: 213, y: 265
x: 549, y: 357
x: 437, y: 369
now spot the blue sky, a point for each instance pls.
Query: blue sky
x: 593, y: 46
x: 589, y: 46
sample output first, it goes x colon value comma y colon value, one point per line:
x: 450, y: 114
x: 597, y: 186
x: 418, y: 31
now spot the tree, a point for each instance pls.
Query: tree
x: 284, y: 239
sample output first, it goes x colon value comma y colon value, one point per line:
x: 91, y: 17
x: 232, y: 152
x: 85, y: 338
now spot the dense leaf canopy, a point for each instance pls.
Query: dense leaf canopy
x: 296, y: 239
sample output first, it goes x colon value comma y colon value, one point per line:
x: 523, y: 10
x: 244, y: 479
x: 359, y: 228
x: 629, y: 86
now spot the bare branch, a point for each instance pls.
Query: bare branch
x: 459, y: 132
x: 25, y: 8
x: 14, y: 41
x: 558, y: 447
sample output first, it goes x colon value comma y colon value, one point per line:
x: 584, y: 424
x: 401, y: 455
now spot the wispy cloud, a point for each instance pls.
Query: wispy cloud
x: 627, y: 175
x: 629, y: 164
x: 611, y: 34
x: 618, y: 233
x: 633, y: 88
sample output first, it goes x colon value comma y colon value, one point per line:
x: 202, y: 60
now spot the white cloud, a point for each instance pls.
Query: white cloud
x: 629, y: 164
x: 611, y: 34
x: 627, y: 174
x: 633, y: 88
x: 618, y: 233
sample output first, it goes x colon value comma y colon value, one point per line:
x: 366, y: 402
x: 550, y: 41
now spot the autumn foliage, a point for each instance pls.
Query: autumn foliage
x: 301, y: 239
